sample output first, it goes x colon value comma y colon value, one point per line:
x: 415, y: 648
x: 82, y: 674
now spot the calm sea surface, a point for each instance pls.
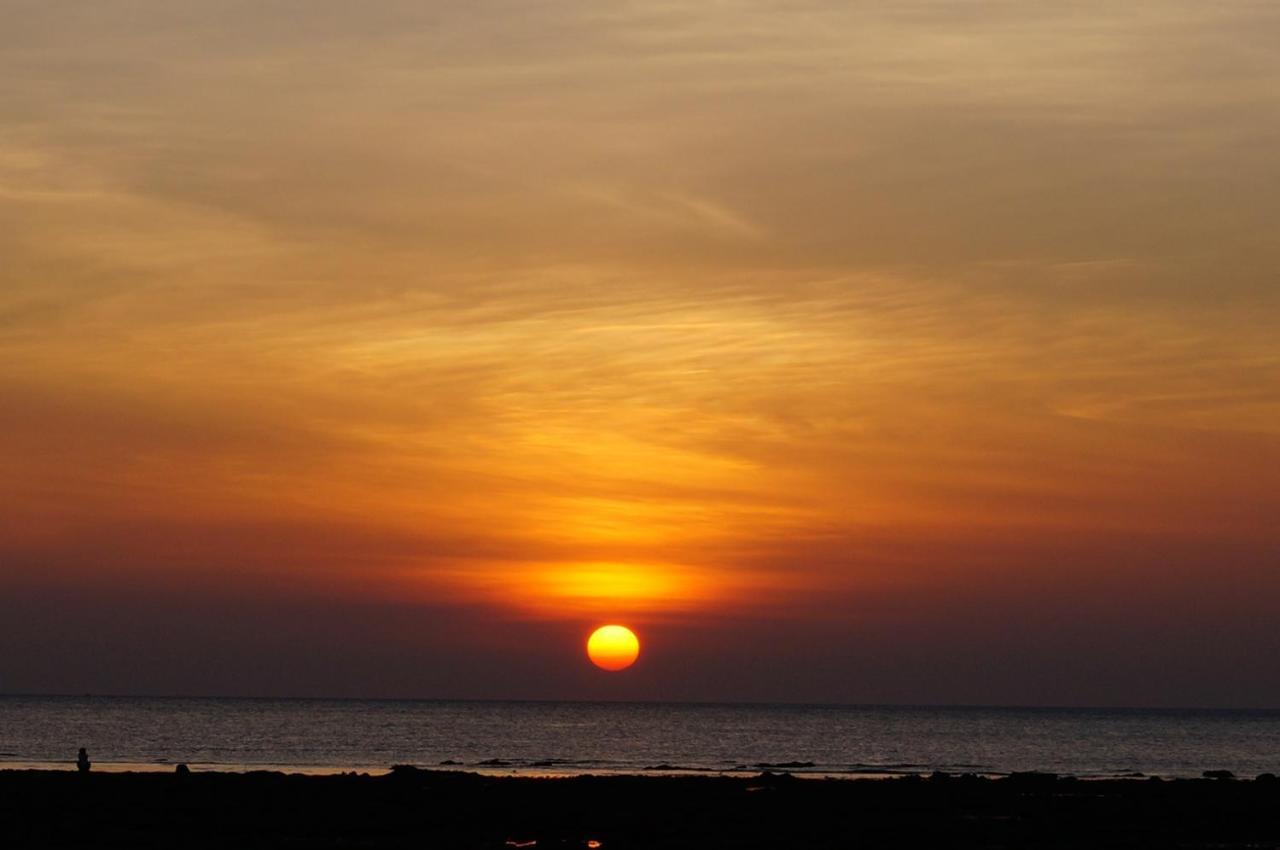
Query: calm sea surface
x: 550, y: 738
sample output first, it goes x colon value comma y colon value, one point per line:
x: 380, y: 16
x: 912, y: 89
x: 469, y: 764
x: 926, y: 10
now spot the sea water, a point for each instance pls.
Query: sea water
x: 585, y: 737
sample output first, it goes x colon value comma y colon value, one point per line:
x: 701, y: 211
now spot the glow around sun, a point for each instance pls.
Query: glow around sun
x: 613, y: 647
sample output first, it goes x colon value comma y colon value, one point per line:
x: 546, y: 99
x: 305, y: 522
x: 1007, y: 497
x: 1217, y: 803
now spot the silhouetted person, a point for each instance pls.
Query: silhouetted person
x: 82, y: 761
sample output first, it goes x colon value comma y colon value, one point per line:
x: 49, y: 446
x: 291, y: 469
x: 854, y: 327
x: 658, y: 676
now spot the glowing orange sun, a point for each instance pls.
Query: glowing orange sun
x: 613, y: 647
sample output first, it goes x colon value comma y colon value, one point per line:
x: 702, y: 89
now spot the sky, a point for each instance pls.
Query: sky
x: 852, y: 352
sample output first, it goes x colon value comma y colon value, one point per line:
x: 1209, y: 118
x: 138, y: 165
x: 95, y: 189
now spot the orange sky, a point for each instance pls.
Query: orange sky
x: 811, y: 320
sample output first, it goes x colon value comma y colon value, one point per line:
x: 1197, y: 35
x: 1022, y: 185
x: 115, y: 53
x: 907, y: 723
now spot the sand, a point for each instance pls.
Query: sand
x: 425, y: 809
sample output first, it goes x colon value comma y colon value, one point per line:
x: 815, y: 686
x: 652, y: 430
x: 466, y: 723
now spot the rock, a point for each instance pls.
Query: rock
x: 405, y: 771
x: 1032, y: 778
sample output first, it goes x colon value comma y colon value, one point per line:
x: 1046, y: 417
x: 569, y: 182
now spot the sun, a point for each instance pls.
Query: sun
x: 613, y: 647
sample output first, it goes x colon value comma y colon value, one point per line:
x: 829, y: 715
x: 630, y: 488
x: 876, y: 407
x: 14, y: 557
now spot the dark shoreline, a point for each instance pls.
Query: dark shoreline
x: 422, y: 808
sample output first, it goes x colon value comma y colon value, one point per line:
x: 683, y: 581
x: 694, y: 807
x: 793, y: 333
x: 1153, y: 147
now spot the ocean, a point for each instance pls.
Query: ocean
x: 565, y: 738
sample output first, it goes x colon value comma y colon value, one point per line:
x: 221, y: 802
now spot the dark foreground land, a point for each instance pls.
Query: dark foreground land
x: 426, y: 809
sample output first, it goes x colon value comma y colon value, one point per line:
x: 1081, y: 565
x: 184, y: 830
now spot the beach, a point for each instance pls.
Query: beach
x: 429, y: 808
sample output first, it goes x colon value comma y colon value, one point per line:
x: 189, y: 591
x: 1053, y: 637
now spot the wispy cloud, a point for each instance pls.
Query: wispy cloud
x: 774, y: 300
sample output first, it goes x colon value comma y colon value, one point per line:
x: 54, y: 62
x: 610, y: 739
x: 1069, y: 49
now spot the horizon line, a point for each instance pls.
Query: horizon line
x: 657, y: 702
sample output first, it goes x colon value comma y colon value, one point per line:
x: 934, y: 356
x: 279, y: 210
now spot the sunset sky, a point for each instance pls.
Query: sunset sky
x: 847, y: 351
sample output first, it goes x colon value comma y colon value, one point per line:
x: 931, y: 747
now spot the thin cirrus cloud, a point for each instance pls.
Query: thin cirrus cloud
x: 728, y: 310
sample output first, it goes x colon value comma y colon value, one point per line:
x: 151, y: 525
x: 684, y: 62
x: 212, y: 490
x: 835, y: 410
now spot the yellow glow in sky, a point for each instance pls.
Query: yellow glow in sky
x: 662, y: 310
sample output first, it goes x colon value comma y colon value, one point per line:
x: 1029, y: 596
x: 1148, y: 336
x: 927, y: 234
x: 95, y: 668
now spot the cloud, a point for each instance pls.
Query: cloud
x: 789, y: 304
